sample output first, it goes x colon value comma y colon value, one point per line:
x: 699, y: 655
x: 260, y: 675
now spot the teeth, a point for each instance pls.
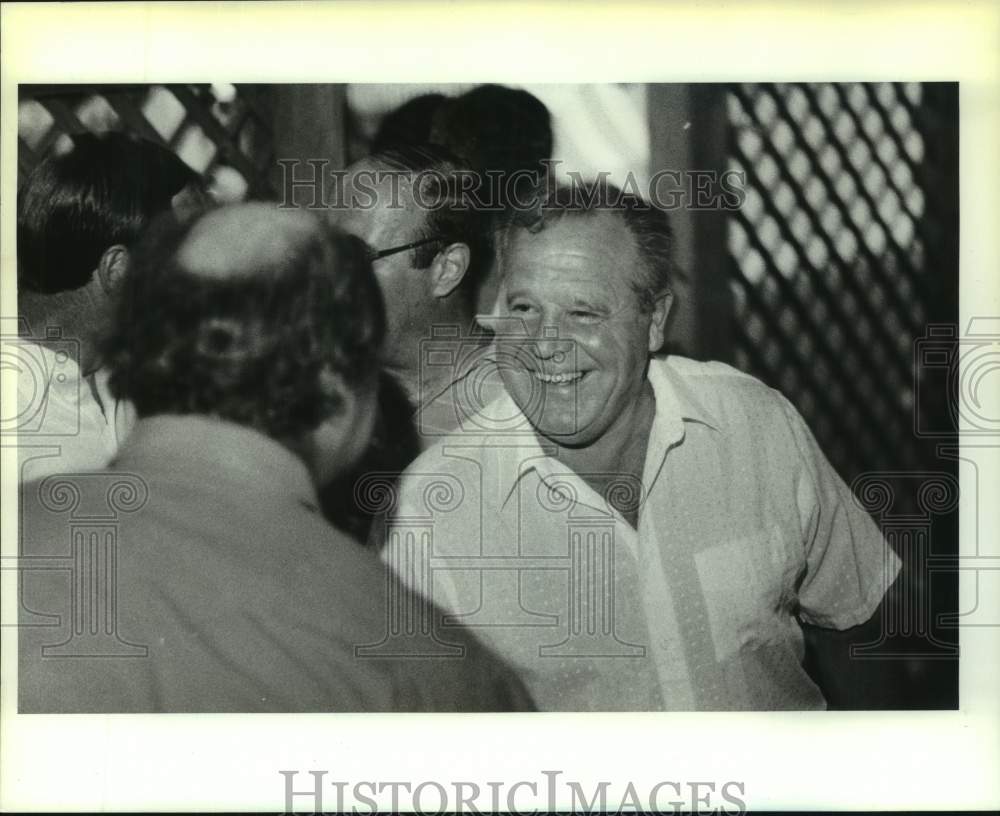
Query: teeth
x: 558, y: 378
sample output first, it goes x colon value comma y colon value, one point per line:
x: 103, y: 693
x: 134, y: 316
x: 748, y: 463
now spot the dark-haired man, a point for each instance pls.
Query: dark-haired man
x: 248, y: 342
x: 659, y: 530
x: 78, y: 214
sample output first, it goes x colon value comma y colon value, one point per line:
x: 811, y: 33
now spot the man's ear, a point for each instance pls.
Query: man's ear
x: 448, y: 269
x: 658, y: 320
x: 111, y: 267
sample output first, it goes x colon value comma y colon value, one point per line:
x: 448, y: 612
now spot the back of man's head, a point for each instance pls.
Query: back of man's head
x: 497, y: 129
x: 408, y: 124
x: 75, y: 205
x: 250, y: 314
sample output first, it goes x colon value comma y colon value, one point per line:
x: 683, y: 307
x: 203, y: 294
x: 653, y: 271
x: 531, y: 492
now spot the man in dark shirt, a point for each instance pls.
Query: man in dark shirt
x: 196, y: 573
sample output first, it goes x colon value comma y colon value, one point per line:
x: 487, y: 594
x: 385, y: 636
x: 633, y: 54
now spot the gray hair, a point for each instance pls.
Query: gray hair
x: 648, y: 225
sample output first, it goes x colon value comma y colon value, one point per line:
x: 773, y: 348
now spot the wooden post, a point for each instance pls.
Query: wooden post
x: 309, y: 123
x: 688, y: 130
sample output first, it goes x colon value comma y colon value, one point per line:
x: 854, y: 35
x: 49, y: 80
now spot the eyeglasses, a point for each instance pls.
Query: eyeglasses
x: 375, y: 254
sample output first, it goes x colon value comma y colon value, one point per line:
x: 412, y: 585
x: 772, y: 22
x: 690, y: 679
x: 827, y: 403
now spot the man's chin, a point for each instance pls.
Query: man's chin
x: 567, y: 432
x: 560, y: 424
x: 565, y: 438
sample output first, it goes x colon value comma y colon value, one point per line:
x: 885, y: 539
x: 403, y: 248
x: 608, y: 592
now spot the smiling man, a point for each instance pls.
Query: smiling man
x: 580, y: 379
x: 645, y: 532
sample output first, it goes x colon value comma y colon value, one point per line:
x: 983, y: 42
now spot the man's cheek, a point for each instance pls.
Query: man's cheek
x: 591, y: 345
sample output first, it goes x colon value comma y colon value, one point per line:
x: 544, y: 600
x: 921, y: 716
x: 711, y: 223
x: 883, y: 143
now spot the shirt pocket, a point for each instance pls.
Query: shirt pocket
x: 742, y: 585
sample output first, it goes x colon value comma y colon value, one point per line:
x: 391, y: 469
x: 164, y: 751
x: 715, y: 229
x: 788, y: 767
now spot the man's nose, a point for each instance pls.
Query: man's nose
x: 550, y: 346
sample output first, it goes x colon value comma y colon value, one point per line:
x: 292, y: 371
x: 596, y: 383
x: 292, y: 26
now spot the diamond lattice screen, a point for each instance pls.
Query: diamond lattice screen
x: 827, y: 261
x: 222, y: 131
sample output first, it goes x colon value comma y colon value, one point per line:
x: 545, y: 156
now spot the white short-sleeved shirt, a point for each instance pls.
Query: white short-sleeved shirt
x: 744, y: 530
x: 67, y: 423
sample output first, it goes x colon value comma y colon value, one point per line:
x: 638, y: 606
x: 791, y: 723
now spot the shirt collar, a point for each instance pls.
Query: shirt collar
x: 220, y: 450
x: 675, y: 398
x: 676, y: 403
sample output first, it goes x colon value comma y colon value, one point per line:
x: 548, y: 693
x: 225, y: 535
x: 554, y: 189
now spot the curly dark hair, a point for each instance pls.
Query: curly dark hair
x: 263, y: 348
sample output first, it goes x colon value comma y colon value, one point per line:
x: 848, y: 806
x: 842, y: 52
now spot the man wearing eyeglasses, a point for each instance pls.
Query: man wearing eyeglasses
x: 428, y: 247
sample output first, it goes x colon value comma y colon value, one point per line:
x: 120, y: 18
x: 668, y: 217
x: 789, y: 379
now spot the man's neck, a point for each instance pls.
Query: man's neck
x: 69, y: 316
x: 424, y: 379
x: 621, y: 450
x: 423, y: 383
x: 409, y: 379
x: 613, y: 466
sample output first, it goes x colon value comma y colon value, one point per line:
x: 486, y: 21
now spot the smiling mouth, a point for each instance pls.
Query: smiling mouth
x: 561, y: 378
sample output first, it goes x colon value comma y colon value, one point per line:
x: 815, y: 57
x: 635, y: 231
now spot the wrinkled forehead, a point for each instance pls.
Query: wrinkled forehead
x: 586, y: 249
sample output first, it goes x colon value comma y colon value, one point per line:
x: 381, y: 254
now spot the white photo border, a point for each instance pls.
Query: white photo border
x: 788, y: 761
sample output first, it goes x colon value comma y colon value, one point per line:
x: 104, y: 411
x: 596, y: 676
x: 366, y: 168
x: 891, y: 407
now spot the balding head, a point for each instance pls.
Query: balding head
x: 261, y: 316
x: 243, y: 240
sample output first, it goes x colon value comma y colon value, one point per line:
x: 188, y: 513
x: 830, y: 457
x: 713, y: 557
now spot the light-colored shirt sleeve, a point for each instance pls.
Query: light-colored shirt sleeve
x: 848, y: 564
